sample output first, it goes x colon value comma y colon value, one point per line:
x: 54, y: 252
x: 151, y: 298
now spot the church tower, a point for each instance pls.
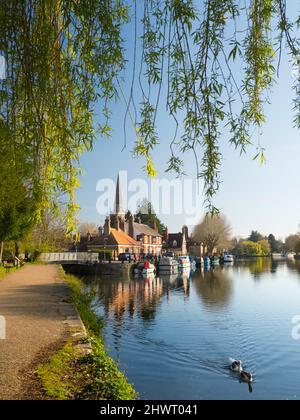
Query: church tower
x: 118, y: 217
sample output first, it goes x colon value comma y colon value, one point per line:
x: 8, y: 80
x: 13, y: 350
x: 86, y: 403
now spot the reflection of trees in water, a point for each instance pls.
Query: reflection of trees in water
x: 214, y: 287
x: 258, y: 266
x: 141, y: 297
x: 294, y: 265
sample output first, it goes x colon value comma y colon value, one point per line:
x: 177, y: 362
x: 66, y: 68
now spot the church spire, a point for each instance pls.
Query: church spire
x: 119, y: 199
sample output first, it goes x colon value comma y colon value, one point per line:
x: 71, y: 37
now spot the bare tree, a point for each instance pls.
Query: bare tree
x: 87, y: 227
x: 214, y: 232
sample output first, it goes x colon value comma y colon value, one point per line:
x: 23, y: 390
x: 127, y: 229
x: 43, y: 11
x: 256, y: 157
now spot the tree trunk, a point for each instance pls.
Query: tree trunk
x: 17, y: 250
x: 1, y: 251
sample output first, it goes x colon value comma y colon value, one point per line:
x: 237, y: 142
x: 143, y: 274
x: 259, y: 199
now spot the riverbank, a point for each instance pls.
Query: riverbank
x: 48, y: 353
x: 92, y: 376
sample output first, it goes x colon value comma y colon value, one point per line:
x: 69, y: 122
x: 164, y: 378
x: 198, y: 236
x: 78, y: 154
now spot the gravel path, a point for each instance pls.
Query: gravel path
x: 32, y: 300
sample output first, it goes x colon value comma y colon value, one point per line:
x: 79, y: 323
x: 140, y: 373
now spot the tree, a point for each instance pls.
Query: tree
x: 276, y: 245
x: 47, y: 236
x: 265, y: 247
x: 214, y: 232
x: 17, y: 205
x: 297, y: 248
x: 255, y: 236
x: 67, y: 57
x: 146, y: 214
x: 291, y: 243
x: 87, y: 227
x: 249, y: 249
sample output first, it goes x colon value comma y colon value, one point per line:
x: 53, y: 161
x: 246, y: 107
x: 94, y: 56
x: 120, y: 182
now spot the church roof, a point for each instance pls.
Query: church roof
x: 142, y: 229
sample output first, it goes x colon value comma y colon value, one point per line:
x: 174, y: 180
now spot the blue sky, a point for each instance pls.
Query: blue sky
x: 264, y: 198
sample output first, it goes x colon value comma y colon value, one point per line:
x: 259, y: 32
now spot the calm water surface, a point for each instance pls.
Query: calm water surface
x: 173, y: 335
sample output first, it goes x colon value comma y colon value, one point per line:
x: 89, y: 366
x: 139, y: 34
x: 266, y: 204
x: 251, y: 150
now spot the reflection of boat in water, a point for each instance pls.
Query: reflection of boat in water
x: 148, y: 277
x: 278, y: 257
x: 170, y: 278
x: 199, y: 261
x: 184, y: 263
x: 168, y: 265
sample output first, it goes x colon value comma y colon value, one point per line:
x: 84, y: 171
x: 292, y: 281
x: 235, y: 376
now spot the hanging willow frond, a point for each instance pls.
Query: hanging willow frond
x: 210, y: 62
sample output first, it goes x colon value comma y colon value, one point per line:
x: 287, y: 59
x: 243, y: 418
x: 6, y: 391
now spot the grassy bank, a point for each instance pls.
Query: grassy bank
x: 92, y: 376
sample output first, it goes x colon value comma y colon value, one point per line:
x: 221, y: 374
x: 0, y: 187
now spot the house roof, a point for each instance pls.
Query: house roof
x: 142, y: 229
x: 122, y: 238
x: 116, y: 237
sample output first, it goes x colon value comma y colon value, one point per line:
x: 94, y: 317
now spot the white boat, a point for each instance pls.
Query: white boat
x: 193, y: 264
x: 184, y: 263
x: 144, y: 269
x: 168, y: 265
x: 148, y: 269
x: 228, y: 258
x: 290, y: 255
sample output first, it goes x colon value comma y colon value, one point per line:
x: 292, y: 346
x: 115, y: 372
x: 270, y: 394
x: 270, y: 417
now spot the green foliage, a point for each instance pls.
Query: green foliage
x: 61, y: 379
x: 66, y: 58
x: 255, y: 236
x: 108, y: 382
x: 265, y: 247
x: 249, y: 249
x: 63, y: 56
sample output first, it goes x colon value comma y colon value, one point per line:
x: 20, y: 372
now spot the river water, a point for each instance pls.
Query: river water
x: 173, y: 335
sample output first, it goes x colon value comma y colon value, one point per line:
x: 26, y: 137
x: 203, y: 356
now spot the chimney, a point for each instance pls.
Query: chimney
x: 154, y: 224
x: 122, y: 224
x: 107, y: 226
x: 131, y: 226
x: 167, y: 234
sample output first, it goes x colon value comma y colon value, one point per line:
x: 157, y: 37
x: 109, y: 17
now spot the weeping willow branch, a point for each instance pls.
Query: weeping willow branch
x: 67, y: 57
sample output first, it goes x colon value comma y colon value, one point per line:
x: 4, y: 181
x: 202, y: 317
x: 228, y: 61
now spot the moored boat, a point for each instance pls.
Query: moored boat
x: 168, y: 265
x: 144, y: 269
x: 215, y: 261
x: 228, y: 258
x: 193, y: 263
x: 184, y: 262
x: 206, y: 262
